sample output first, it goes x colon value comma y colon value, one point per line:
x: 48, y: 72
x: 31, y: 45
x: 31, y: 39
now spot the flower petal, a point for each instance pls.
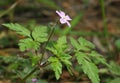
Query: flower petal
x: 68, y: 23
x: 62, y: 21
x: 60, y: 13
x: 67, y: 17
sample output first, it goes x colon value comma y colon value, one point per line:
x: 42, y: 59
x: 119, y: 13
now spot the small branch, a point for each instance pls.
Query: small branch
x: 29, y: 74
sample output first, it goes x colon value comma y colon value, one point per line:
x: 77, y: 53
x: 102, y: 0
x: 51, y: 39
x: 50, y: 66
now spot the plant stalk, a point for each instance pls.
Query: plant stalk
x: 106, y: 34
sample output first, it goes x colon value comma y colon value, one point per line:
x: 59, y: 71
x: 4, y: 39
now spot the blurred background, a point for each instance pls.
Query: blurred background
x: 96, y: 20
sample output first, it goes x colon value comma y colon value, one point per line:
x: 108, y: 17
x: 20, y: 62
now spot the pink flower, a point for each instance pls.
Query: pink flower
x: 34, y: 80
x: 64, y: 18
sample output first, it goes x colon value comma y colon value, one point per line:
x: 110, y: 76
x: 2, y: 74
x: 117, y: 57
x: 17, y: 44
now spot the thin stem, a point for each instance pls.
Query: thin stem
x: 51, y: 33
x: 31, y: 73
x: 104, y: 18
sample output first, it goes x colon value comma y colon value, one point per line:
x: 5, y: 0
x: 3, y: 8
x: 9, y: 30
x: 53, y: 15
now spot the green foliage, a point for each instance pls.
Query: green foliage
x: 34, y: 59
x: 18, y: 28
x: 84, y: 58
x: 33, y: 40
x: 28, y: 43
x: 98, y: 58
x: 91, y: 70
x: 24, y: 72
x: 58, y: 50
x: 56, y: 66
x: 88, y: 67
x: 40, y: 34
x: 61, y: 52
x: 114, y: 68
x: 82, y: 44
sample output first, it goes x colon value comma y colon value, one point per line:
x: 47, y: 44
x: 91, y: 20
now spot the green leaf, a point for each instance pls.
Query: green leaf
x: 61, y: 44
x: 59, y: 47
x: 58, y: 50
x: 34, y: 59
x: 56, y: 66
x: 91, y: 70
x: 18, y: 28
x: 82, y: 44
x: 88, y: 67
x: 99, y: 58
x: 80, y: 57
x: 28, y: 43
x: 86, y: 43
x: 40, y: 34
x: 74, y: 43
x: 114, y: 68
x: 65, y: 59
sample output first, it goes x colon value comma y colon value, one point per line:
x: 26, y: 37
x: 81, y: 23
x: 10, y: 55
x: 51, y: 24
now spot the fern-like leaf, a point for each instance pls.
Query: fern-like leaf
x: 58, y: 50
x: 18, y: 28
x: 56, y: 66
x: 82, y: 44
x: 40, y: 34
x: 91, y: 70
x: 28, y: 43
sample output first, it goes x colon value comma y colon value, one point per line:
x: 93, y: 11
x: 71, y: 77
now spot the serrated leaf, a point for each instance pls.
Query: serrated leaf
x: 28, y: 43
x: 40, y: 33
x: 82, y: 44
x: 86, y: 43
x: 34, y: 59
x: 99, y: 58
x: 80, y: 57
x: 56, y: 66
x: 59, y: 47
x: 52, y: 50
x: 114, y: 68
x: 74, y: 43
x: 61, y: 44
x: 91, y: 70
x: 65, y: 59
x: 88, y: 67
x: 18, y: 28
x: 58, y: 50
